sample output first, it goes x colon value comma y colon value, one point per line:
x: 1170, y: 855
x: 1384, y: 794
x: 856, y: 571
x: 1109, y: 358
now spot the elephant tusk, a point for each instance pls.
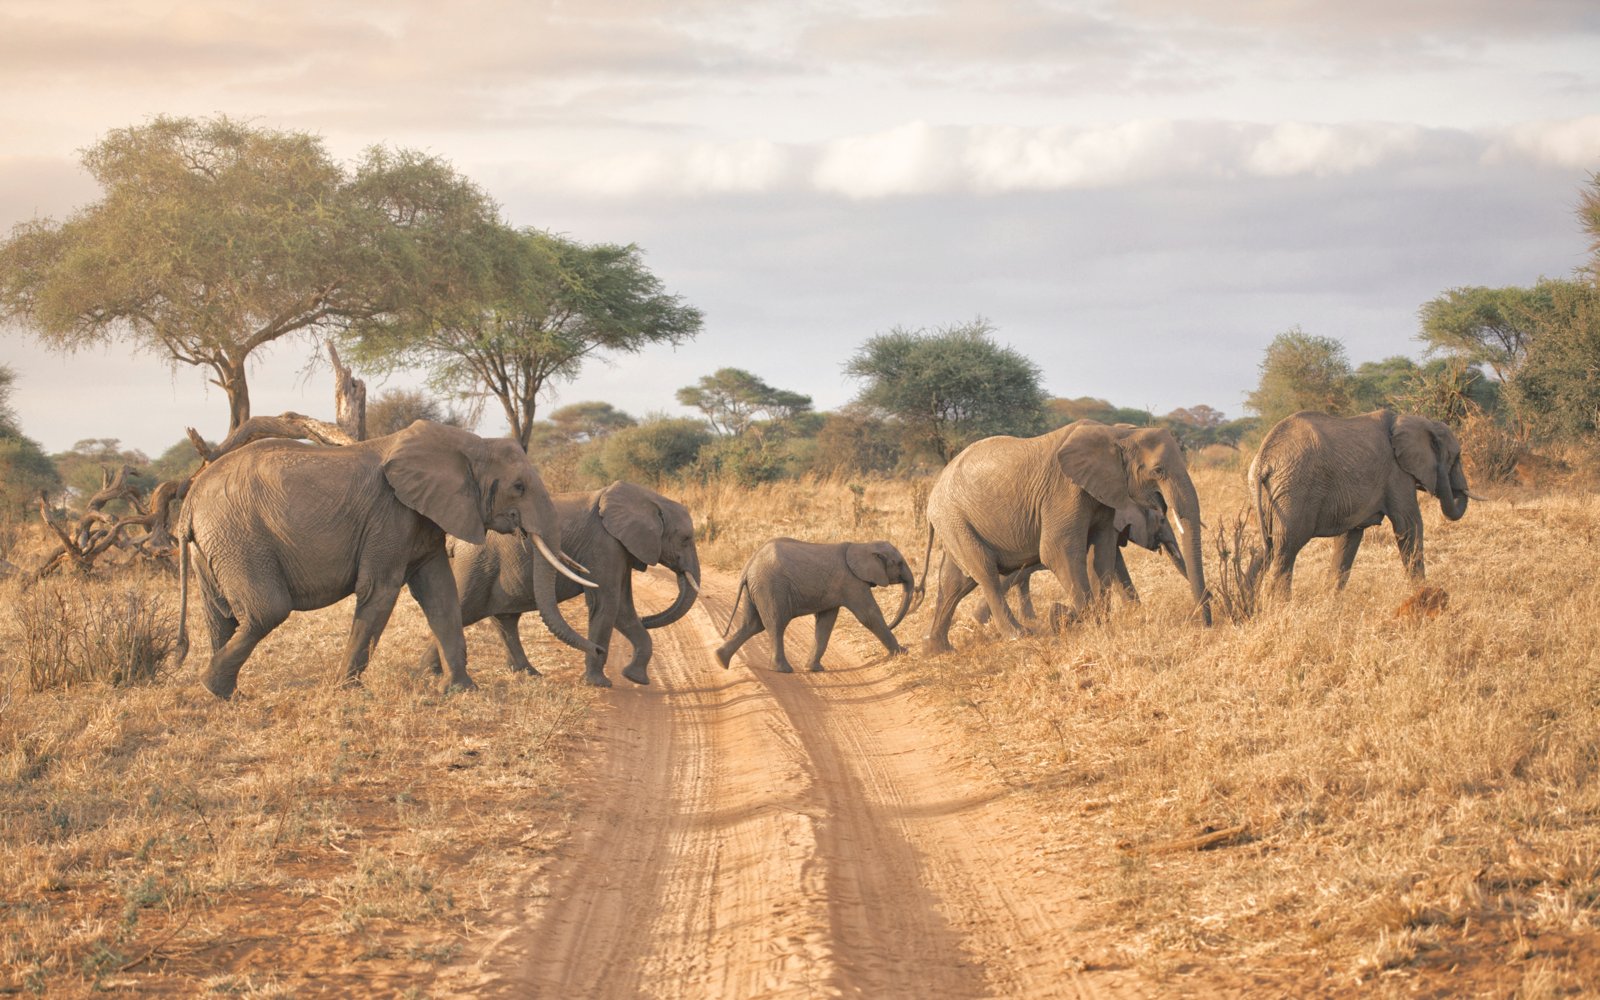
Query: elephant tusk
x: 1473, y: 496
x: 550, y: 557
x: 575, y: 564
x: 692, y: 582
x: 1179, y: 522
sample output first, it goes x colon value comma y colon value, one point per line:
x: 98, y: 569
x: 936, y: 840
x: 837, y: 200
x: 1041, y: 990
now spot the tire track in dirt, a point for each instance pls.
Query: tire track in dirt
x: 751, y: 834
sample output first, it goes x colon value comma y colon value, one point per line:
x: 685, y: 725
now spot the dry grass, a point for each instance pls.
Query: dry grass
x: 300, y: 840
x: 1420, y: 792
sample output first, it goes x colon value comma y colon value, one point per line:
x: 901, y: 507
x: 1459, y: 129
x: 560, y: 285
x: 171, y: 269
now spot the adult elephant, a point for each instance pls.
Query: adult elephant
x: 613, y: 533
x: 280, y: 526
x: 1004, y: 503
x: 1320, y: 476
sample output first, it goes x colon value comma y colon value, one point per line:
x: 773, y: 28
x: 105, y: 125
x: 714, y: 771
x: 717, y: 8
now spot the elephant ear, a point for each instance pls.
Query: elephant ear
x: 867, y: 563
x: 1414, y: 450
x: 1094, y: 459
x: 431, y: 472
x: 631, y: 516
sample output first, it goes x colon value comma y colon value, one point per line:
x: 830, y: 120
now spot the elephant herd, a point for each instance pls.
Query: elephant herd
x: 466, y: 524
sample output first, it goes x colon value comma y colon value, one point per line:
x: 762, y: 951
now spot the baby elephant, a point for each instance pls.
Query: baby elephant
x: 786, y: 579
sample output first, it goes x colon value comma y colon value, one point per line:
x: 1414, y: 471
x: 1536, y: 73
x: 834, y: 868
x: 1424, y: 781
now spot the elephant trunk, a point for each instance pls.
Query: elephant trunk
x: 908, y: 584
x: 1170, y: 547
x: 1452, y: 491
x: 544, y: 594
x: 1186, y: 504
x: 688, y: 579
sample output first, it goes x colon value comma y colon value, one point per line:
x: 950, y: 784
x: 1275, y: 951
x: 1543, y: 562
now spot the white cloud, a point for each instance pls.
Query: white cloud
x: 1298, y: 149
x: 1571, y: 143
x: 910, y: 159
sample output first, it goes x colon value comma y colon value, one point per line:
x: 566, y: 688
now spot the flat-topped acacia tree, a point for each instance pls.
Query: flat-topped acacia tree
x: 215, y: 237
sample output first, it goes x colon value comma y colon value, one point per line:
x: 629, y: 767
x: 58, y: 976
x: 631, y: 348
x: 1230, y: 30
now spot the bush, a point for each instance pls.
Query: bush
x: 652, y: 451
x: 74, y: 632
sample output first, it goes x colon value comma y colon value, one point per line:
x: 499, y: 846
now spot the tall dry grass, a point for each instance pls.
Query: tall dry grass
x: 1390, y: 800
x: 299, y: 840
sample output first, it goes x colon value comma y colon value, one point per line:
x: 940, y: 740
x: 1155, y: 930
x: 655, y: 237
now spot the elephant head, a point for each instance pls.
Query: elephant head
x: 1153, y: 532
x: 1134, y: 470
x: 468, y: 485
x: 1429, y: 452
x: 879, y: 564
x: 654, y: 530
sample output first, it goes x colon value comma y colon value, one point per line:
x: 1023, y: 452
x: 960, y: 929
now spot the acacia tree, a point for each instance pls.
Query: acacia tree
x: 949, y: 386
x: 732, y: 398
x: 214, y: 238
x: 1488, y: 326
x: 1301, y: 371
x: 541, y: 306
x: 25, y: 470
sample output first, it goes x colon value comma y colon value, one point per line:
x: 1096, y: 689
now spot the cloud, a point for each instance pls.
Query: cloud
x: 920, y: 159
x: 1571, y: 143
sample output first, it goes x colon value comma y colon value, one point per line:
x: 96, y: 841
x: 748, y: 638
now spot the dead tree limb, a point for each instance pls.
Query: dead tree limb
x: 349, y: 398
x: 287, y: 425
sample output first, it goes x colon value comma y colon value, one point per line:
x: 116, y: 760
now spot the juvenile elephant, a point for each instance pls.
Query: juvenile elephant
x: 1152, y: 532
x: 786, y: 579
x: 1004, y: 503
x: 280, y: 526
x: 611, y: 532
x: 1319, y: 476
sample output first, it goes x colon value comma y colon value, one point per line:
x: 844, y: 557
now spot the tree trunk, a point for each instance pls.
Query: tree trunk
x: 238, y: 390
x: 349, y: 398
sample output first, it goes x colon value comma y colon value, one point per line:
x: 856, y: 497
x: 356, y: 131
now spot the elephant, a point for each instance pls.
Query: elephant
x: 280, y: 526
x: 612, y: 532
x: 1004, y: 503
x: 1321, y: 476
x: 786, y: 578
x: 1152, y: 532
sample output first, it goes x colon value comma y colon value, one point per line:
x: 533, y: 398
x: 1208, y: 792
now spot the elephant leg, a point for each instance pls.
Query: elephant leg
x: 869, y: 614
x: 602, y: 621
x: 954, y: 584
x: 825, y: 621
x: 975, y: 559
x: 749, y: 626
x: 1408, y: 537
x: 1344, y: 555
x: 509, y: 627
x: 222, y: 675
x: 1125, y: 581
x: 434, y: 588
x: 1068, y: 560
x: 1025, y: 594
x: 431, y: 663
x: 632, y: 629
x: 780, y: 656
x: 1280, y: 569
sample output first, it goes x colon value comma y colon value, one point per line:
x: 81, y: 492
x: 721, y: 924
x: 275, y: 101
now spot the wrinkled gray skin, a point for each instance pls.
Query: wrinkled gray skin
x: 1317, y: 476
x: 786, y: 579
x: 280, y: 526
x: 1004, y: 503
x: 1153, y: 532
x: 613, y: 532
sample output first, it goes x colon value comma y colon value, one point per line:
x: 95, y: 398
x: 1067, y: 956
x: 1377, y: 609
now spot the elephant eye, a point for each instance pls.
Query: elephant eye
x: 518, y: 488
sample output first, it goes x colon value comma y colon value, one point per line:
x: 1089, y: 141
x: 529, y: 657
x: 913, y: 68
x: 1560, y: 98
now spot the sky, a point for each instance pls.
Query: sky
x: 1138, y: 195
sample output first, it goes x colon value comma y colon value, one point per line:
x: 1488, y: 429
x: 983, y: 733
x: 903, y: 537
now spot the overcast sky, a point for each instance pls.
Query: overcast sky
x: 1137, y: 195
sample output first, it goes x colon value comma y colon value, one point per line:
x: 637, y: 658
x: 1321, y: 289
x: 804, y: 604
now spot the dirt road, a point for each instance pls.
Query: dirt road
x: 745, y: 833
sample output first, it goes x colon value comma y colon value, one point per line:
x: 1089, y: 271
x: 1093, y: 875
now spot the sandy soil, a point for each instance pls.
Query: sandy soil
x: 744, y: 833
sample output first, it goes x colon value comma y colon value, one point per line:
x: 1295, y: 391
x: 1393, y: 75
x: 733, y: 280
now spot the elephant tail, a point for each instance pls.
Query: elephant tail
x: 927, y: 560
x: 180, y: 645
x: 744, y: 585
x: 1261, y: 489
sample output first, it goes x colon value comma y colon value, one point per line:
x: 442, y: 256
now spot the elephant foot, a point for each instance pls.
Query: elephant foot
x: 725, y: 657
x: 462, y: 683
x: 897, y: 650
x: 222, y: 687
x: 937, y: 647
x: 526, y: 669
x: 815, y: 667
x: 638, y: 674
x: 783, y: 668
x: 597, y: 680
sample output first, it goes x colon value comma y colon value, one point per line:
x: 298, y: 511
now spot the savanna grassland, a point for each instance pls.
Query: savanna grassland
x: 1345, y: 792
x: 1342, y: 794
